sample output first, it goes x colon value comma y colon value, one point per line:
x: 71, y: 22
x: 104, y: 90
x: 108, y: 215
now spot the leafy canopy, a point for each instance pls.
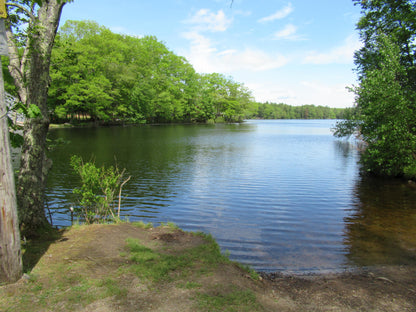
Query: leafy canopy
x: 385, y: 114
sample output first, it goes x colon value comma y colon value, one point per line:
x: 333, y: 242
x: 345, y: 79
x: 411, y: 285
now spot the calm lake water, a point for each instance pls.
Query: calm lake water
x: 278, y: 195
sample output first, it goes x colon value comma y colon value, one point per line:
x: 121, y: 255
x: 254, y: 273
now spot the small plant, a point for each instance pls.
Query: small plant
x: 97, y: 194
x: 142, y: 225
x: 231, y: 300
x: 170, y: 225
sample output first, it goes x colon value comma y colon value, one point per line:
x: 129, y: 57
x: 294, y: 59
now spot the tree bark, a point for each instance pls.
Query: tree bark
x: 10, y: 253
x: 30, y: 71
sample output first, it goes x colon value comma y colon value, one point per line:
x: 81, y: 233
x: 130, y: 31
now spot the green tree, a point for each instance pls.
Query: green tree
x: 387, y: 114
x: 384, y: 114
x: 31, y: 30
x: 103, y: 76
x: 80, y: 84
x: 109, y: 77
x: 394, y: 18
x: 223, y: 98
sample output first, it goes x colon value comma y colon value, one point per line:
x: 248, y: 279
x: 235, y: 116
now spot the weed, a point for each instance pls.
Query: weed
x: 253, y: 274
x: 236, y: 300
x: 112, y: 288
x: 170, y: 225
x: 142, y: 225
x: 190, y: 285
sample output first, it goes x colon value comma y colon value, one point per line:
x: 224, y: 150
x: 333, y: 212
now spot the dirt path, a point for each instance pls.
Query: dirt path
x: 88, y: 269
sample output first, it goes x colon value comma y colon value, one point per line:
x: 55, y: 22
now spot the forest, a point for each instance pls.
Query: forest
x: 104, y: 77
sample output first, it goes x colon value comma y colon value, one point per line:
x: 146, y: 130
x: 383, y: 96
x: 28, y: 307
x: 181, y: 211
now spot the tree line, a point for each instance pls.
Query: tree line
x: 284, y: 111
x: 102, y: 76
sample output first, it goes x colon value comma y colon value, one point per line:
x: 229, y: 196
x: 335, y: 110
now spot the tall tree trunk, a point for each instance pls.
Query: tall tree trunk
x: 30, y: 71
x: 10, y: 254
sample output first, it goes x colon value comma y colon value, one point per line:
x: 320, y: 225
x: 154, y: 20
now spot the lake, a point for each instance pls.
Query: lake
x: 278, y: 195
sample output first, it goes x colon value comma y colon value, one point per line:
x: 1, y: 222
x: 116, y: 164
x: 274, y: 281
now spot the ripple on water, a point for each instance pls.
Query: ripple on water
x: 278, y: 195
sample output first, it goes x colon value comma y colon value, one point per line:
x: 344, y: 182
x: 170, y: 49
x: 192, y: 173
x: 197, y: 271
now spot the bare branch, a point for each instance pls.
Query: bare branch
x: 119, y: 196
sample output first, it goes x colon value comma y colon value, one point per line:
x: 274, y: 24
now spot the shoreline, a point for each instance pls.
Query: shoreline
x: 132, y: 266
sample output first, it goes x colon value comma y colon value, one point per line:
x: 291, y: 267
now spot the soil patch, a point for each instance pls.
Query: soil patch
x: 92, y: 268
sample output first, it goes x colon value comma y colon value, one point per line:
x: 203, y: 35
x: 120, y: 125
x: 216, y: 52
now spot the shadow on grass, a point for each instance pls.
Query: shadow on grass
x: 33, y: 249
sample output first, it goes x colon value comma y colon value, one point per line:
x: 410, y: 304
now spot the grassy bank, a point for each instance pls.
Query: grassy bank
x: 136, y: 267
x: 132, y: 267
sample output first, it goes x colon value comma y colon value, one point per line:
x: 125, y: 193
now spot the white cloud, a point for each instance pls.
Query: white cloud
x: 206, y: 58
x: 287, y: 33
x: 343, y: 54
x: 304, y: 92
x: 205, y: 20
x: 266, y: 72
x: 201, y: 51
x: 253, y: 60
x: 333, y: 95
x: 279, y: 14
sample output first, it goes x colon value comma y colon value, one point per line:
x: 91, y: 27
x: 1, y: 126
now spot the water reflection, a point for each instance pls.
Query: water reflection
x: 279, y: 195
x: 381, y: 228
x: 345, y: 148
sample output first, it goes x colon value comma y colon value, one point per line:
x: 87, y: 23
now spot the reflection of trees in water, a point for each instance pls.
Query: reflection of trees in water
x: 381, y: 228
x: 349, y: 148
x: 344, y: 148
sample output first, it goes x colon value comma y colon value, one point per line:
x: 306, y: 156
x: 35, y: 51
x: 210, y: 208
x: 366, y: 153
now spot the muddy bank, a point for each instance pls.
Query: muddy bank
x: 372, y: 289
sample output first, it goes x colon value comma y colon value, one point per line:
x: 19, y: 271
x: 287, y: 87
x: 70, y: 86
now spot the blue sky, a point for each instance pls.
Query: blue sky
x: 296, y: 52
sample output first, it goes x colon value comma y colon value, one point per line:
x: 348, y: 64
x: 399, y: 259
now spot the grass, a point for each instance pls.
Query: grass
x: 143, y: 225
x: 146, y: 268
x: 157, y: 266
x: 112, y: 288
x: 170, y: 225
x: 190, y: 285
x: 33, y: 249
x: 221, y: 300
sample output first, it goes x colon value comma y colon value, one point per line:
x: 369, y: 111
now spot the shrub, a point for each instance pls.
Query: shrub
x: 97, y: 194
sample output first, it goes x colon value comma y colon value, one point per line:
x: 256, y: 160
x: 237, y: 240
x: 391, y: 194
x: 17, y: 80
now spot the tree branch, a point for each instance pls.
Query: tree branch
x: 21, y: 7
x: 16, y: 64
x: 119, y: 196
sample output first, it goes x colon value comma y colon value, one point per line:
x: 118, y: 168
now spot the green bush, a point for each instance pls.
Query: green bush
x: 96, y: 196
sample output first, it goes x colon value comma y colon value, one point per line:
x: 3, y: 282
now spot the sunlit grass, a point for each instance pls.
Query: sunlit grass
x: 157, y: 266
x: 223, y: 300
x: 69, y: 284
x: 142, y: 225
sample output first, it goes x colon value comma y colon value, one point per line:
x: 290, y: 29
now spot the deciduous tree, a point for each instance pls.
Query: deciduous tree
x: 385, y: 110
x: 10, y: 253
x: 32, y: 26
